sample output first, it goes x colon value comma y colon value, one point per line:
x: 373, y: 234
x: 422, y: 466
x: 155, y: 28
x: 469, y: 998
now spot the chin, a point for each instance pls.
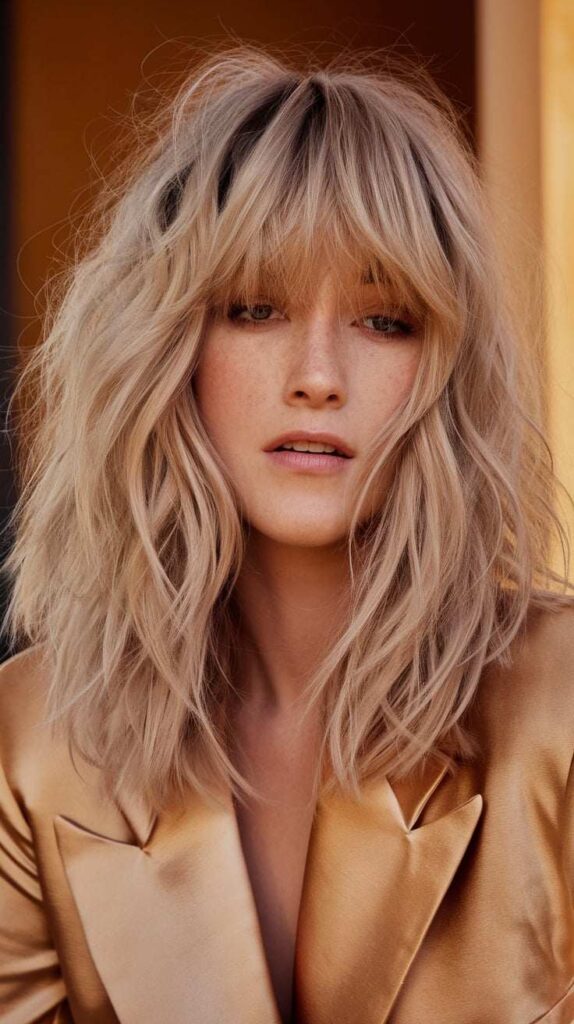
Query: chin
x: 302, y: 533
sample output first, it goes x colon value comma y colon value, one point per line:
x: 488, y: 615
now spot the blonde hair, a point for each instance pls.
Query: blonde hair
x: 128, y: 536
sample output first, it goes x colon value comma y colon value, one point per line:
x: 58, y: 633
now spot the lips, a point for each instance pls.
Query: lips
x: 342, y: 449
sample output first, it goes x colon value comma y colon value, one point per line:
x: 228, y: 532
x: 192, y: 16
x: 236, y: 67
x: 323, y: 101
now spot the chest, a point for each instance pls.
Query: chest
x: 275, y: 835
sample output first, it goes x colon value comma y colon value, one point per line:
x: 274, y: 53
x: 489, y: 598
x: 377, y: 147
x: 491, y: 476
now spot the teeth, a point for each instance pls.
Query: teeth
x: 309, y: 446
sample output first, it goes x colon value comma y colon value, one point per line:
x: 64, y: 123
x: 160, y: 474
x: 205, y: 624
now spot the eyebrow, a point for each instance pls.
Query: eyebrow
x: 382, y: 279
x: 383, y: 284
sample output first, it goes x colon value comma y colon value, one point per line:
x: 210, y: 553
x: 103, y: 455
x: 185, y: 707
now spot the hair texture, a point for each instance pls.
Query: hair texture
x: 128, y: 537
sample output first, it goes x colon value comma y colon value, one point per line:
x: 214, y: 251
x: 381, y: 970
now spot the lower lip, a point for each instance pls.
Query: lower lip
x: 309, y: 462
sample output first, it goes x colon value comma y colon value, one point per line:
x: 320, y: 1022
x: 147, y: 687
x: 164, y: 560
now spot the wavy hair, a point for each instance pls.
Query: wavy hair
x: 128, y: 538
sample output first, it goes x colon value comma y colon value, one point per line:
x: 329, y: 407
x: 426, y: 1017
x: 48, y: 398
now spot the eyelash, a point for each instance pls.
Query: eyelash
x: 234, y: 311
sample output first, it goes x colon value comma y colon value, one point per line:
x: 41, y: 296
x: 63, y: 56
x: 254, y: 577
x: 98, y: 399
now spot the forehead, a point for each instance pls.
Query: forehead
x: 348, y: 287
x: 302, y: 279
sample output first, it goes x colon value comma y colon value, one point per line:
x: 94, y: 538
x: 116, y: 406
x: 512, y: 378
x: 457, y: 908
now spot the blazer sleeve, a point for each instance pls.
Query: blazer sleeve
x: 568, y: 844
x: 31, y: 984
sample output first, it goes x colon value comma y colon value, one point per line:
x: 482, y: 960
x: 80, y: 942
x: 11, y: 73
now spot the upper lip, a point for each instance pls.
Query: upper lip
x: 317, y: 436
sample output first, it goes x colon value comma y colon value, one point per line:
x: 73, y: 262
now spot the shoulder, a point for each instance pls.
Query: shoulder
x: 24, y: 680
x: 541, y: 656
x: 25, y: 736
x: 38, y: 770
x: 525, y: 701
x: 549, y: 633
x: 542, y: 659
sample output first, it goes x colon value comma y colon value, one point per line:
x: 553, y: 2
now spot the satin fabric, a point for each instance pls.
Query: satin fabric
x: 443, y: 899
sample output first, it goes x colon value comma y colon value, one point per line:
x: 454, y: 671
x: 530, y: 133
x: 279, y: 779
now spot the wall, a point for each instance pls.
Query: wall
x: 525, y: 136
x: 557, y: 137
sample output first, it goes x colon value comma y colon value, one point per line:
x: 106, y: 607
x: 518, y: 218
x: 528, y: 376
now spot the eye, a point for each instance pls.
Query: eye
x: 258, y: 312
x: 387, y: 324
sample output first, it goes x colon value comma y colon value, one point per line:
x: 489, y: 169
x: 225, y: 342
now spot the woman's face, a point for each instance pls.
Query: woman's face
x: 270, y: 377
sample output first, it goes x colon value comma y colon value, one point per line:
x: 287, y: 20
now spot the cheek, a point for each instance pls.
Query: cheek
x: 228, y: 392
x: 390, y: 382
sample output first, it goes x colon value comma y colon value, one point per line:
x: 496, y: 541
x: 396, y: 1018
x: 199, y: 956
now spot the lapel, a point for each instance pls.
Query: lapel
x: 170, y: 921
x: 374, y: 882
x: 172, y: 926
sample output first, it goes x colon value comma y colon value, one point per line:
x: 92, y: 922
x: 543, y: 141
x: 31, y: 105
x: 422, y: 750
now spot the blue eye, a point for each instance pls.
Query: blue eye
x: 389, y: 325
x: 258, y: 312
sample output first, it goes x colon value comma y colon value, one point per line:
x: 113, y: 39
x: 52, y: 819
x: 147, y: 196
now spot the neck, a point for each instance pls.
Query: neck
x: 292, y: 602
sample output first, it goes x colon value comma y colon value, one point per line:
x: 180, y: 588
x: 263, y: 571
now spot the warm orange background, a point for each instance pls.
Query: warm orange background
x: 525, y: 130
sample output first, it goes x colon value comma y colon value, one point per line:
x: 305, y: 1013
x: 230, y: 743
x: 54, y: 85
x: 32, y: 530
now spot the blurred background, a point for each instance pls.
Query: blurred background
x: 72, y: 70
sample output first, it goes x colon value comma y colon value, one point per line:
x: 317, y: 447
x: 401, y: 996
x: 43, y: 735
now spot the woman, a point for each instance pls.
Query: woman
x: 290, y: 734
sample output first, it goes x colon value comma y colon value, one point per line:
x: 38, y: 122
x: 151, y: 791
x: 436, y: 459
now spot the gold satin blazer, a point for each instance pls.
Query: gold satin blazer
x: 445, y: 900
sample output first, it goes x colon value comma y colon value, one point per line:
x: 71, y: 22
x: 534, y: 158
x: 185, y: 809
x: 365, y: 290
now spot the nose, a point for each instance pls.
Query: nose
x: 316, y: 373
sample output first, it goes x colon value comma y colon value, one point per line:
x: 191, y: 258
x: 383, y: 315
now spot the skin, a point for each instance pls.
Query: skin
x: 316, y: 367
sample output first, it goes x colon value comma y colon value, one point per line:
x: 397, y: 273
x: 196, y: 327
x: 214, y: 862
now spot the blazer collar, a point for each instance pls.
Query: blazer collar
x: 172, y: 926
